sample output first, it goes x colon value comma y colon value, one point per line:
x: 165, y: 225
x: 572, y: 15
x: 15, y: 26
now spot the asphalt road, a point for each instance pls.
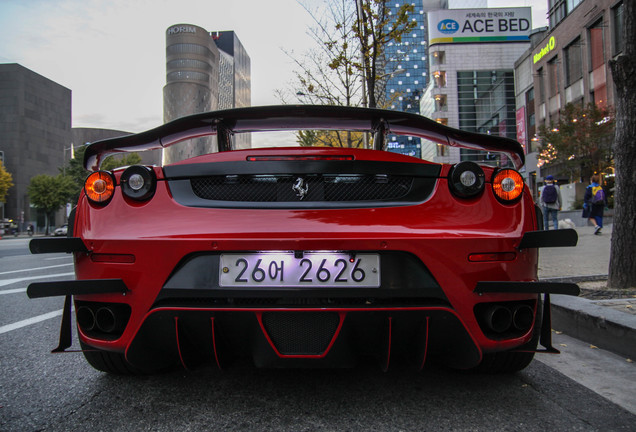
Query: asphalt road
x: 61, y: 392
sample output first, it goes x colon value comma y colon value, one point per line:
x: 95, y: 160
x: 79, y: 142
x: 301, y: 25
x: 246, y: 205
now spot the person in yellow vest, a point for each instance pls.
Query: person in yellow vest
x: 594, y: 203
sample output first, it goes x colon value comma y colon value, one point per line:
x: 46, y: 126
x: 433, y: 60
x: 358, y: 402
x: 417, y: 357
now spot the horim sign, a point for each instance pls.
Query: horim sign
x: 479, y: 25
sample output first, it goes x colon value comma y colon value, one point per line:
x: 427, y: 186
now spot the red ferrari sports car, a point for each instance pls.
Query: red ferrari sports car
x: 307, y: 256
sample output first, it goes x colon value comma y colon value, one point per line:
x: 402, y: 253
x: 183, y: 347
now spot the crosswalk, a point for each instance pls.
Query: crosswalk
x: 14, y: 283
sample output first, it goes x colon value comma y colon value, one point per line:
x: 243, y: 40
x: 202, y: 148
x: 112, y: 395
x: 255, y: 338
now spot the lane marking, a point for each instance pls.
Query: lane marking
x: 13, y: 291
x: 57, y: 258
x: 16, y: 280
x: 35, y: 269
x: 9, y: 327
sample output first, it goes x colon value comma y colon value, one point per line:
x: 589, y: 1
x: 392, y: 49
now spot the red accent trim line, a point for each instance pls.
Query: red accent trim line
x: 425, y: 346
x: 176, y: 330
x: 388, y: 353
x: 216, y: 355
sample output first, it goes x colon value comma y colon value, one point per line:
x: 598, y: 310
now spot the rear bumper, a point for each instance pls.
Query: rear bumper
x: 301, y: 337
x: 416, y: 312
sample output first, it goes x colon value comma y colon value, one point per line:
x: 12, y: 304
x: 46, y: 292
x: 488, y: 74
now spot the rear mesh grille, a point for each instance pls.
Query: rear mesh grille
x: 288, y: 188
x: 301, y: 333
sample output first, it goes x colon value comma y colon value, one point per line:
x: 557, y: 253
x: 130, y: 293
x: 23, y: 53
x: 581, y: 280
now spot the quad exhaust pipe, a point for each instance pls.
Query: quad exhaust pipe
x: 500, y: 318
x: 110, y: 319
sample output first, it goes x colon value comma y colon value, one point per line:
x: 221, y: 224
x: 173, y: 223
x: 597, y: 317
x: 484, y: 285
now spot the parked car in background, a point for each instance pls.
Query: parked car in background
x: 61, y: 231
x: 306, y: 256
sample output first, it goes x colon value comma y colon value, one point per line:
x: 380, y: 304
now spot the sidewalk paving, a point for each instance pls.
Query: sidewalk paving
x: 607, y: 323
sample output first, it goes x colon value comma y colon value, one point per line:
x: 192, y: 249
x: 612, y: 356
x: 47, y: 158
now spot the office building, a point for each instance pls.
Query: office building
x: 407, y: 65
x: 566, y: 63
x: 472, y: 54
x: 205, y: 71
x: 407, y: 69
x: 35, y: 134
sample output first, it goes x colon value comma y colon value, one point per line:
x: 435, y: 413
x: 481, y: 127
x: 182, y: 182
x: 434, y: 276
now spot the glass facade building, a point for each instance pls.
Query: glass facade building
x: 407, y: 67
x: 486, y: 104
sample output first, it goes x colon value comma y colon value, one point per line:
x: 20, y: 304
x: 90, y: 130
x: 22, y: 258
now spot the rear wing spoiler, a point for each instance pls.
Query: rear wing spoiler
x: 226, y: 123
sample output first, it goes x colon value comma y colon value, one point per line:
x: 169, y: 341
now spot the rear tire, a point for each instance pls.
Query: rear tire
x: 504, y: 362
x: 110, y: 362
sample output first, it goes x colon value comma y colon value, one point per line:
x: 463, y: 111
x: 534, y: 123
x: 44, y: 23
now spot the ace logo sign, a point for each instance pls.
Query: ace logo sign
x: 480, y: 25
x: 448, y: 26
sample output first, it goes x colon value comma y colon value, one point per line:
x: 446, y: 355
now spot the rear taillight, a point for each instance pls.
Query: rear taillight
x: 507, y: 185
x: 138, y: 182
x: 466, y: 179
x: 100, y: 187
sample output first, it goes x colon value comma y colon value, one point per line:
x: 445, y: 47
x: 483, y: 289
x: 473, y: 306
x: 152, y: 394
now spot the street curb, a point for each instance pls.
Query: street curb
x: 598, y: 325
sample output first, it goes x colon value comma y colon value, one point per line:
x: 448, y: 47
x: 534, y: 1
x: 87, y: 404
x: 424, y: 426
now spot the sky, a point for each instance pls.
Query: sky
x: 111, y: 53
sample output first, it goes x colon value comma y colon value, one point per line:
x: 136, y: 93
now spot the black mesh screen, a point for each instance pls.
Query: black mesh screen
x: 289, y: 188
x: 307, y: 333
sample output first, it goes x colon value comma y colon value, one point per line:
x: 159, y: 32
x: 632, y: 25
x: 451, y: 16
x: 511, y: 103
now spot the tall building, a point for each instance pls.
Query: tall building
x: 407, y: 67
x: 566, y: 63
x: 204, y: 72
x: 472, y: 54
x: 35, y: 134
x: 235, y: 87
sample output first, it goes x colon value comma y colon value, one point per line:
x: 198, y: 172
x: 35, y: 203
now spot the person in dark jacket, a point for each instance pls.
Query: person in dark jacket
x: 551, y: 203
x: 594, y: 203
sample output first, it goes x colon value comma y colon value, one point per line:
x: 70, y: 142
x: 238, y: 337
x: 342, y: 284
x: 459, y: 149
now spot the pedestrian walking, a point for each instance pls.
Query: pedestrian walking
x: 551, y: 202
x: 594, y: 203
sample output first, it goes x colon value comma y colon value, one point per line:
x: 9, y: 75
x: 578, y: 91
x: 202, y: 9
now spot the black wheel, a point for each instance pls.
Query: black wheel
x: 504, y: 362
x: 110, y: 362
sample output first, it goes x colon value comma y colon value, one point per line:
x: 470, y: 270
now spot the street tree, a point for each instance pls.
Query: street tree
x: 323, y: 138
x: 580, y: 142
x: 6, y: 181
x: 75, y: 171
x: 326, y: 74
x: 50, y: 193
x: 347, y: 64
x: 622, y: 270
x: 112, y: 162
x: 374, y: 30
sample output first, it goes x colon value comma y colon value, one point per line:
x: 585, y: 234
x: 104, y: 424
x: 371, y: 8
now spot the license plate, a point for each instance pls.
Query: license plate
x: 313, y: 269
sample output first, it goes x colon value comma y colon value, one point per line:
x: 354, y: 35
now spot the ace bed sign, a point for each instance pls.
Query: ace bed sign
x: 479, y: 25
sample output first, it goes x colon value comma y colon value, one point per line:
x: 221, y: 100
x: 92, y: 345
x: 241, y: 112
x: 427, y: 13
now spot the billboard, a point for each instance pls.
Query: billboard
x: 521, y: 127
x: 479, y: 25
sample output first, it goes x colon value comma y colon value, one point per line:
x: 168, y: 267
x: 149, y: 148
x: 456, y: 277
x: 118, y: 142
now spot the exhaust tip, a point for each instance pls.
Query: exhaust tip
x: 105, y: 319
x: 522, y: 317
x: 498, y: 318
x: 85, y: 318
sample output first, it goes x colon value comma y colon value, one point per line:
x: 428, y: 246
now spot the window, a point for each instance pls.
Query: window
x: 442, y: 150
x: 573, y: 66
x: 556, y: 12
x: 541, y: 78
x: 619, y: 24
x: 440, y: 102
x: 438, y: 58
x: 440, y: 79
x: 553, y: 77
x: 597, y: 54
